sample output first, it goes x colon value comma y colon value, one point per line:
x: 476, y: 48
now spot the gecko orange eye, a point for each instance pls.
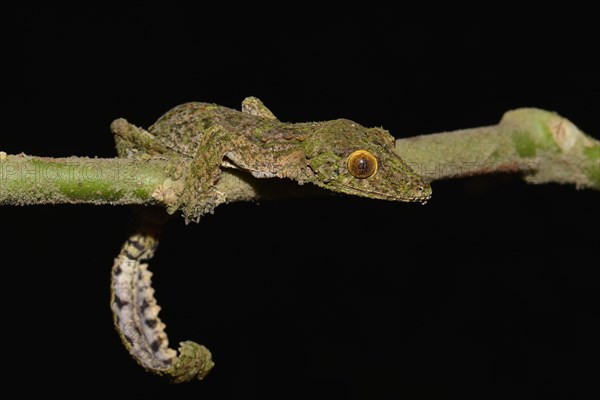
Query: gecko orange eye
x: 362, y: 164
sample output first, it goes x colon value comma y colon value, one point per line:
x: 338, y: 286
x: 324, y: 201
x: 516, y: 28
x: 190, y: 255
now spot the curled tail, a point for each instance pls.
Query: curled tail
x: 135, y: 314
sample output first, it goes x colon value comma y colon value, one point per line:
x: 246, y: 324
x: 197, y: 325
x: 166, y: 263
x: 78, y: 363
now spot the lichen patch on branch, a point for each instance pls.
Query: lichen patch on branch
x: 539, y: 145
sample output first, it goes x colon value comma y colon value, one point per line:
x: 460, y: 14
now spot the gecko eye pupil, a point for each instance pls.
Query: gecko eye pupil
x: 362, y: 164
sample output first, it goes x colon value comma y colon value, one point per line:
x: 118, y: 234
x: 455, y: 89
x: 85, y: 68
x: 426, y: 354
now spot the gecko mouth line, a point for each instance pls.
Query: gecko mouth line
x: 383, y: 196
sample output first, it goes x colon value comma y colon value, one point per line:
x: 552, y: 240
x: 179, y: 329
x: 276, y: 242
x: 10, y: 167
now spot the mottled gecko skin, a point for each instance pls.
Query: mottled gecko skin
x: 200, y: 139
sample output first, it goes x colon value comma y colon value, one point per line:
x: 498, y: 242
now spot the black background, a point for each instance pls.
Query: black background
x: 488, y: 291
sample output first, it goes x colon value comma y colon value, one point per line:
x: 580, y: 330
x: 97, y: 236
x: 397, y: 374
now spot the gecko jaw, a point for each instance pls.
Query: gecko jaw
x: 384, y: 196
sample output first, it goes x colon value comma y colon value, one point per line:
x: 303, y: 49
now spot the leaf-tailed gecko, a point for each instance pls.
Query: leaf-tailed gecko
x: 199, y: 140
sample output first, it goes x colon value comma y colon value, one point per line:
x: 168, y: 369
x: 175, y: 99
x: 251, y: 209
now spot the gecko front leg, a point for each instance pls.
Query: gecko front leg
x: 253, y: 106
x: 135, y: 314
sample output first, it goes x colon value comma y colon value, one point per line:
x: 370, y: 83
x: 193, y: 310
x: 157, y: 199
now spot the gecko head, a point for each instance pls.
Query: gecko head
x: 346, y: 157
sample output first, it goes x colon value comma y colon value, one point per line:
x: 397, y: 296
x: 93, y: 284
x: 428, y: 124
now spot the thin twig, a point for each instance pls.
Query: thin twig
x: 540, y: 145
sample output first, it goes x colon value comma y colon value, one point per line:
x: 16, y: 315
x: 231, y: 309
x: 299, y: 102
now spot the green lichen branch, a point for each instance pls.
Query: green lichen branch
x: 541, y: 146
x: 26, y: 180
x: 29, y: 180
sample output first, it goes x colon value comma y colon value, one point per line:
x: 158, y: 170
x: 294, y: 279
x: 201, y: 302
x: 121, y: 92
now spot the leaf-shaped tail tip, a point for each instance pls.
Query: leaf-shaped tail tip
x: 194, y: 362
